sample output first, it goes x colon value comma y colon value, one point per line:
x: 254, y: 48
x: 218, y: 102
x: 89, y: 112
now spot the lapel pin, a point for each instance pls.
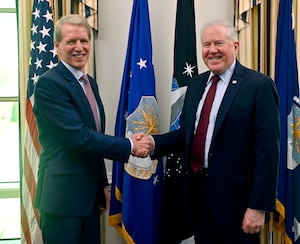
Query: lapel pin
x: 234, y: 82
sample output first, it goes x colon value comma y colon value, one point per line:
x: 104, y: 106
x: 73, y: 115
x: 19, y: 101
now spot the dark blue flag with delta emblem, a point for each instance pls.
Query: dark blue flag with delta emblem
x: 176, y: 224
x: 136, y: 191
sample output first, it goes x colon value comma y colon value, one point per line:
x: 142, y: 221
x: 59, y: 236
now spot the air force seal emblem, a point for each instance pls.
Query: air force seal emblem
x: 143, y: 119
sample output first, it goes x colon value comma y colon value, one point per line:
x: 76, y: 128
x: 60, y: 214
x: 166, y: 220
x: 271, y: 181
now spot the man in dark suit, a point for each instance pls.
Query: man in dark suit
x: 71, y: 189
x: 233, y: 192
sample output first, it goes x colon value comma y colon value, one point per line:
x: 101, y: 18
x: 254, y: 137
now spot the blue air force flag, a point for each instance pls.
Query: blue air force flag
x: 137, y: 186
x: 293, y: 152
x: 286, y: 79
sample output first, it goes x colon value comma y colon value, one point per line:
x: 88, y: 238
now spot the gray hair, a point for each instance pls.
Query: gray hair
x: 230, y: 33
x: 71, y: 19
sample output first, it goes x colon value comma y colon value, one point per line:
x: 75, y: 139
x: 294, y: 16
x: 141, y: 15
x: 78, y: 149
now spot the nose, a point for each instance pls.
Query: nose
x: 78, y: 45
x: 213, y: 48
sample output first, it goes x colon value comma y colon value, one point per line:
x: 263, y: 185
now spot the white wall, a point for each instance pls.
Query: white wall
x: 111, y: 44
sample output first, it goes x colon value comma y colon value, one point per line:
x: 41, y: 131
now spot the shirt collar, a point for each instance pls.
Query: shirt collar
x: 225, y: 77
x: 78, y: 74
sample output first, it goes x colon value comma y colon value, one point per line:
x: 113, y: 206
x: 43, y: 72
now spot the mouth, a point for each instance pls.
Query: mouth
x: 78, y: 55
x: 214, y: 58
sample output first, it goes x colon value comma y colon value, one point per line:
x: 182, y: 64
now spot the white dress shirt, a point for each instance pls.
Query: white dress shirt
x: 221, y: 89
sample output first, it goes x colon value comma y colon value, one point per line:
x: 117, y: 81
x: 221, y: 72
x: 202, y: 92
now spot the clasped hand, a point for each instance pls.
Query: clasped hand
x: 143, y: 145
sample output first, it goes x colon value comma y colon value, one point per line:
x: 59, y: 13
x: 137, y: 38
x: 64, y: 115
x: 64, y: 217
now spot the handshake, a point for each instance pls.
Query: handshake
x: 143, y: 145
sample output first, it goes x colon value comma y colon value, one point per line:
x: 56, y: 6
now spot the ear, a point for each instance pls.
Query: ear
x: 56, y: 45
x: 236, y: 46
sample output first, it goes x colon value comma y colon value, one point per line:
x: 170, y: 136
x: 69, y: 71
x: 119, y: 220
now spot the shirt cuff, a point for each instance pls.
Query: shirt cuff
x: 132, y: 146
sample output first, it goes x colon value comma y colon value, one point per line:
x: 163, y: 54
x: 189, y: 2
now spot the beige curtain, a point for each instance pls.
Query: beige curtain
x: 245, y: 18
x: 264, y: 61
x: 251, y: 24
x: 24, y: 15
x: 248, y: 32
x: 252, y: 29
x: 258, y: 53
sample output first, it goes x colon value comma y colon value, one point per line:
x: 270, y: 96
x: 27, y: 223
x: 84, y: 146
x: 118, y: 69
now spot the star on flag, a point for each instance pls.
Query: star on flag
x: 189, y: 69
x: 142, y: 63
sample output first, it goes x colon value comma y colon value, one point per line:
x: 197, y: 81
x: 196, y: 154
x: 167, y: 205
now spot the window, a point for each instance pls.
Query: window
x: 9, y: 124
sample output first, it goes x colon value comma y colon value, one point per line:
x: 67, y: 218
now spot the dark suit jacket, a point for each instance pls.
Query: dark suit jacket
x: 244, y: 152
x: 71, y: 160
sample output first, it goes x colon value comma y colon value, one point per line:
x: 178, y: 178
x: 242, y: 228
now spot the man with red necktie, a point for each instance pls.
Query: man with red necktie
x: 231, y: 169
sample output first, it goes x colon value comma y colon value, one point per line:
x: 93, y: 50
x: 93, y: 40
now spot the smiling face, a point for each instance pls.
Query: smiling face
x: 74, y: 47
x: 218, y: 49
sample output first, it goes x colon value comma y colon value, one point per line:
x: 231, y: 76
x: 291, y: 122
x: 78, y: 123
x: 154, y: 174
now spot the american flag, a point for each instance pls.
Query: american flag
x: 42, y: 57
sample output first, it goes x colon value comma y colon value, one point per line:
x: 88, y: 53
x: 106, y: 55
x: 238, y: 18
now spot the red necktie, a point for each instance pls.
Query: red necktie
x: 198, y: 146
x: 92, y: 100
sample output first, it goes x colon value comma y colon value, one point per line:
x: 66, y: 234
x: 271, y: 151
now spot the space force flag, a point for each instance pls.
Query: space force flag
x: 176, y: 225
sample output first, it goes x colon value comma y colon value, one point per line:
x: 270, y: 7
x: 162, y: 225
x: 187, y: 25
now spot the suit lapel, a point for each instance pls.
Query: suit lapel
x: 231, y: 91
x: 77, y: 87
x: 73, y: 81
